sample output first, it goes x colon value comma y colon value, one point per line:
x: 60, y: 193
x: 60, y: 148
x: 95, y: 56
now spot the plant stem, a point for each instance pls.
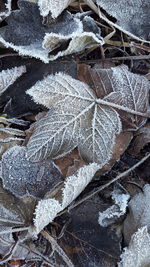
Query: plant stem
x: 113, y: 105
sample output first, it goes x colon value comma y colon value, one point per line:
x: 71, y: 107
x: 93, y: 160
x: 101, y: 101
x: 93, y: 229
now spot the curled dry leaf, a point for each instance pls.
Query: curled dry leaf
x: 24, y: 178
x: 87, y: 36
x: 120, y: 86
x: 27, y: 34
x: 112, y: 214
x: 54, y: 6
x: 73, y: 109
x: 132, y: 16
x: 137, y: 254
x: 47, y: 209
x: 138, y: 213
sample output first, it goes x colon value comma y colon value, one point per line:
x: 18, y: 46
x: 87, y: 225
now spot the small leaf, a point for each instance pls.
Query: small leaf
x: 137, y: 254
x: 24, y: 178
x: 74, y: 120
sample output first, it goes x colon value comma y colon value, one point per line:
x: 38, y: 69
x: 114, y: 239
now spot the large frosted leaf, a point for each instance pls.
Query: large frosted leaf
x: 9, y: 76
x: 132, y: 16
x: 54, y: 6
x: 74, y: 119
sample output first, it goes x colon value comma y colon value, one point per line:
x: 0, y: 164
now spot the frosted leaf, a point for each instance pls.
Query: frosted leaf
x: 54, y: 6
x: 87, y: 36
x: 23, y: 178
x: 139, y: 215
x: 27, y: 34
x: 138, y: 252
x: 47, y: 209
x: 113, y: 213
x: 25, y: 30
x: 9, y: 76
x: 72, y: 110
x: 133, y: 16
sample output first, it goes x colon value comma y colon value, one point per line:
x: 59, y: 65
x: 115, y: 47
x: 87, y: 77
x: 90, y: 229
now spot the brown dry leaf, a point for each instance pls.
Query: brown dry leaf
x: 122, y: 142
x: 142, y: 138
x: 120, y: 86
x: 70, y: 163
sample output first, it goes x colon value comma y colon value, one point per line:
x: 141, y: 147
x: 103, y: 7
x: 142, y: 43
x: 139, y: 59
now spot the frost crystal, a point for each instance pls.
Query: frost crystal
x: 110, y: 215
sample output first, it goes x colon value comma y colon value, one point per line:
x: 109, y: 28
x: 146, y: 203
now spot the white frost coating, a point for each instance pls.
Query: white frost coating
x: 75, y: 184
x: 54, y: 6
x: 111, y: 214
x: 138, y: 252
x: 132, y: 16
x: 33, y: 50
x: 8, y: 9
x: 9, y: 76
x: 47, y: 209
x: 79, y: 41
x: 45, y: 212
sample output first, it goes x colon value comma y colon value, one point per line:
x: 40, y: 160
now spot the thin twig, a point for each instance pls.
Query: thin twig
x: 123, y: 174
x: 21, y: 229
x: 57, y: 248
